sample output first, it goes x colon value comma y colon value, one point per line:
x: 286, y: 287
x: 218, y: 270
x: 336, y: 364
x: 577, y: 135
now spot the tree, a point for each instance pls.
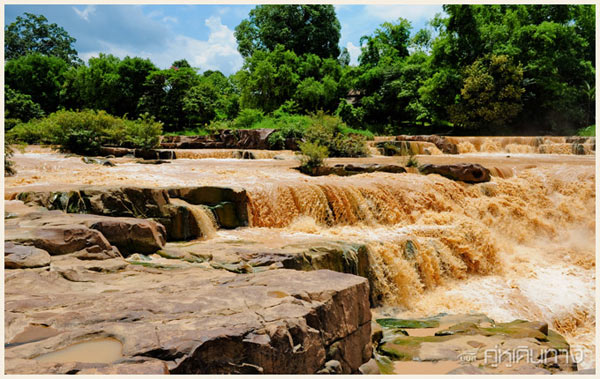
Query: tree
x: 20, y: 106
x: 491, y: 94
x: 181, y: 64
x: 164, y: 97
x: 38, y: 76
x: 390, y: 41
x: 32, y: 34
x: 300, y: 28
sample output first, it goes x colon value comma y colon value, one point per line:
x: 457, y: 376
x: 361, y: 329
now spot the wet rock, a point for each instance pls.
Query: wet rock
x: 466, y: 172
x: 103, y: 162
x: 131, y: 235
x: 20, y: 256
x: 115, y: 151
x: 370, y: 368
x: 243, y: 154
x: 245, y: 138
x: 226, y: 215
x: 194, y: 320
x: 156, y: 155
x: 353, y: 169
x: 57, y: 240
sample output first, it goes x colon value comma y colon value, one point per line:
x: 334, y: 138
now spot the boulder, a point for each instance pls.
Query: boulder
x: 20, y: 256
x: 66, y: 239
x: 245, y: 138
x: 466, y: 172
x: 131, y: 235
x: 103, y: 162
x: 353, y: 169
x: 194, y: 321
x: 115, y: 151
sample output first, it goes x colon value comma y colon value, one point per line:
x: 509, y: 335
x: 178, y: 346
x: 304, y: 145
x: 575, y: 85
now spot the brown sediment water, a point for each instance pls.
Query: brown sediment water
x: 205, y: 219
x: 520, y: 246
x: 101, y: 350
x: 525, y: 145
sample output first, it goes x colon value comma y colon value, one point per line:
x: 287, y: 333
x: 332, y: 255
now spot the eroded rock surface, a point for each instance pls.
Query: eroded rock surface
x: 190, y: 320
x: 465, y: 172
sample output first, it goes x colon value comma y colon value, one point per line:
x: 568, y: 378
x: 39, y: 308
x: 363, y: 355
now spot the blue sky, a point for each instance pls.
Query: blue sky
x: 202, y: 34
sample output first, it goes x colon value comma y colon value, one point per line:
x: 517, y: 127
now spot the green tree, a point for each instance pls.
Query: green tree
x: 491, y: 94
x: 31, y: 34
x: 20, y: 106
x: 300, y: 28
x: 38, y: 76
x: 165, y: 94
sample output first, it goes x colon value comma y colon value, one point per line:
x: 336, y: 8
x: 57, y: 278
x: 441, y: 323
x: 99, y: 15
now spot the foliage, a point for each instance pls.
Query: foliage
x: 31, y: 34
x: 491, y: 94
x: 84, y: 132
x: 589, y: 131
x: 20, y: 107
x: 247, y: 118
x: 39, y: 76
x: 411, y: 161
x: 303, y: 29
x: 313, y: 155
x: 328, y: 131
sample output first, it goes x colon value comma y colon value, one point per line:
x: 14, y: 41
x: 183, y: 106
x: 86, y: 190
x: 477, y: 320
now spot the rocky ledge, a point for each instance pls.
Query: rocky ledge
x: 469, y: 344
x: 190, y: 321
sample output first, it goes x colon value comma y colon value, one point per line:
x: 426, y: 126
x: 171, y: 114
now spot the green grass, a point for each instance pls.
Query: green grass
x: 589, y: 131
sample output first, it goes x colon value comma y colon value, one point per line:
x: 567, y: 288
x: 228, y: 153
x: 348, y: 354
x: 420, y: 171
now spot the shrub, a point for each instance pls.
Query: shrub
x: 84, y: 132
x: 313, y: 155
x: 247, y: 118
x: 589, y: 131
x: 144, y: 132
x: 329, y: 131
x: 350, y: 145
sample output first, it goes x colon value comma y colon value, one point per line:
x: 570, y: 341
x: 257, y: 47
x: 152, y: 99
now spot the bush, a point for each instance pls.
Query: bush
x: 589, y: 131
x: 84, y: 132
x: 313, y: 155
x: 144, y: 132
x: 247, y: 118
x: 331, y: 132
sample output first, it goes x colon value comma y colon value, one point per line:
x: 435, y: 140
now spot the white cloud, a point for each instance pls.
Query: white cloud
x: 86, y: 12
x: 354, y: 52
x: 409, y: 12
x: 170, y: 19
x: 218, y: 52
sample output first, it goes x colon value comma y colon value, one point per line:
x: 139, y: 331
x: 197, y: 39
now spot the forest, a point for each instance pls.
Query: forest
x: 474, y: 70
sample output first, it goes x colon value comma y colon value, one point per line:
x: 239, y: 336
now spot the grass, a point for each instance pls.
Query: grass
x: 589, y: 131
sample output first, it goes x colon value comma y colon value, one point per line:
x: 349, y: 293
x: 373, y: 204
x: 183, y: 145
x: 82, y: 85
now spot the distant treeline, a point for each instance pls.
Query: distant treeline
x: 476, y: 69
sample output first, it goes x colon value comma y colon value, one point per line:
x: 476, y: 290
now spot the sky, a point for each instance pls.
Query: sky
x: 202, y: 34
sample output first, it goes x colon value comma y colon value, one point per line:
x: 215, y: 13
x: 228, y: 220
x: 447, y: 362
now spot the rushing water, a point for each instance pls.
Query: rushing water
x: 520, y: 246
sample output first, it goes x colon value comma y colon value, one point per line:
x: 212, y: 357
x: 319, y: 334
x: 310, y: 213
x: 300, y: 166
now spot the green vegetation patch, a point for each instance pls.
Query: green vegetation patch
x: 407, y: 323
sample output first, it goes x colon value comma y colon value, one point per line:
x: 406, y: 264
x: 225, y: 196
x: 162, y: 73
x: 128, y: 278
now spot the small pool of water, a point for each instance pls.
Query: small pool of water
x: 101, y: 350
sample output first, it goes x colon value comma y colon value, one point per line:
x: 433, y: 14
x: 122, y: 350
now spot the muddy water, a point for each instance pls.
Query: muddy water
x: 520, y: 246
x: 101, y: 350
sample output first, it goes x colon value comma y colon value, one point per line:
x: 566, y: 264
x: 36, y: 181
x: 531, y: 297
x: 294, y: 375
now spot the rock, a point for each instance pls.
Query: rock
x: 57, y: 240
x: 226, y: 215
x: 243, y: 154
x: 103, y: 162
x: 155, y: 155
x: 196, y: 321
x: 466, y: 172
x: 354, y: 169
x: 129, y: 235
x: 370, y: 368
x: 467, y: 370
x: 115, y: 151
x: 215, y: 197
x: 153, y: 161
x: 19, y: 256
x: 132, y: 235
x: 245, y: 138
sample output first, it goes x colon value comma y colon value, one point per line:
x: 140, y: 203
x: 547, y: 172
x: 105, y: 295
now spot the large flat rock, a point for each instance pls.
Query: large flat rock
x: 194, y: 320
